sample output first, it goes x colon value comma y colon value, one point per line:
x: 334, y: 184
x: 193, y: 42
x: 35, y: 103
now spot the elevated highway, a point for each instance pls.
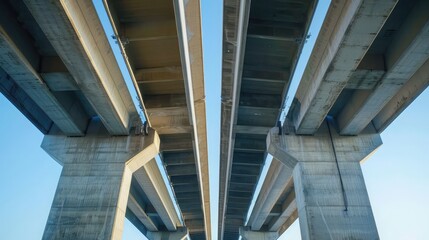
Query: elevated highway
x: 58, y: 69
x: 368, y: 64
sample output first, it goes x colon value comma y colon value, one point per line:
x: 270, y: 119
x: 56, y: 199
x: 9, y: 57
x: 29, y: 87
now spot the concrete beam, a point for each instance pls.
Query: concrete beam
x: 403, y: 98
x: 407, y: 52
x: 27, y: 106
x: 76, y: 33
x: 138, y: 211
x: 272, y: 188
x: 276, y: 149
x: 56, y: 75
x: 180, y: 234
x: 247, y: 234
x: 20, y: 60
x: 348, y: 30
x: 287, y: 212
x: 188, y: 22
x: 236, y: 17
x: 92, y: 194
x: 150, y: 180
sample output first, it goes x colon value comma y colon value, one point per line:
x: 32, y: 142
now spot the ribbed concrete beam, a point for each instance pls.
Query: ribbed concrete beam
x: 142, y: 216
x: 20, y: 60
x: 150, y: 180
x: 287, y: 214
x: 27, y: 106
x: 236, y: 18
x: 76, y: 33
x: 347, y: 32
x: 188, y: 22
x: 272, y: 188
x: 403, y: 98
x: 407, y: 52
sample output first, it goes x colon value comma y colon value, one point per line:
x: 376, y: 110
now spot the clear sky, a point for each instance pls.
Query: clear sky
x: 396, y: 175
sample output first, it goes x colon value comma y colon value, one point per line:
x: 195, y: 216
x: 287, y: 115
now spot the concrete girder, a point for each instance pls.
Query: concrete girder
x: 76, y: 33
x: 180, y: 234
x: 20, y: 60
x: 150, y: 180
x: 331, y: 198
x: 347, y: 32
x: 247, y: 234
x: 56, y: 75
x: 274, y: 185
x: 236, y: 19
x: 188, y: 22
x: 407, y: 52
x: 92, y: 194
x: 24, y: 104
x: 287, y: 216
x: 403, y: 98
x: 138, y: 211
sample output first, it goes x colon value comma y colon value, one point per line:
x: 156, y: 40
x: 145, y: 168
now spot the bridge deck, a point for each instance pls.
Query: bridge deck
x: 262, y: 42
x: 172, y: 94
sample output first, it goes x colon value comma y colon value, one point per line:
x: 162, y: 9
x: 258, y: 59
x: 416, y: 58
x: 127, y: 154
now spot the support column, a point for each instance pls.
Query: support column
x: 91, y: 197
x: 331, y: 196
x: 248, y: 234
x: 180, y: 234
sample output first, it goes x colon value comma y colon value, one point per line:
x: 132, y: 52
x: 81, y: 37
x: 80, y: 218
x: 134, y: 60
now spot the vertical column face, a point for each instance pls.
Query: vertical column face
x: 92, y: 194
x: 330, y: 193
x: 322, y: 205
x: 90, y: 202
x: 331, y: 196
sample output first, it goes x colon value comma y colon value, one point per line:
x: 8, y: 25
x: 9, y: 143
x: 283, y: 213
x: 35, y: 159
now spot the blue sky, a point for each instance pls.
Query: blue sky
x: 396, y: 175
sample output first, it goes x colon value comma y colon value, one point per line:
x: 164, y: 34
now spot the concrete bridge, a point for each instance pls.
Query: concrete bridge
x: 370, y: 61
x: 58, y: 69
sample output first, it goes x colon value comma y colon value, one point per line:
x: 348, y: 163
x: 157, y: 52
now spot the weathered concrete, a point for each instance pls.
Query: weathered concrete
x: 92, y: 194
x: 348, y: 30
x: 331, y: 196
x: 407, y: 52
x: 190, y: 45
x: 75, y: 31
x: 150, y: 179
x: 20, y: 59
x: 274, y: 185
x: 247, y: 234
x: 180, y: 234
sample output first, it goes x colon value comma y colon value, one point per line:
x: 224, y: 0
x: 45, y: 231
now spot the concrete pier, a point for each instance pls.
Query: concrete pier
x: 91, y: 198
x: 331, y: 197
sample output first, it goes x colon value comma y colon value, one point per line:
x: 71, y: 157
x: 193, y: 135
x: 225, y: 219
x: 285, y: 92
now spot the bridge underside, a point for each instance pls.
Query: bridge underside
x: 368, y: 64
x: 58, y: 69
x: 262, y: 41
x: 172, y: 93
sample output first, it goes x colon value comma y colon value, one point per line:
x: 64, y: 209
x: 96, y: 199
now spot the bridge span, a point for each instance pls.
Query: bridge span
x: 369, y: 62
x: 59, y: 70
